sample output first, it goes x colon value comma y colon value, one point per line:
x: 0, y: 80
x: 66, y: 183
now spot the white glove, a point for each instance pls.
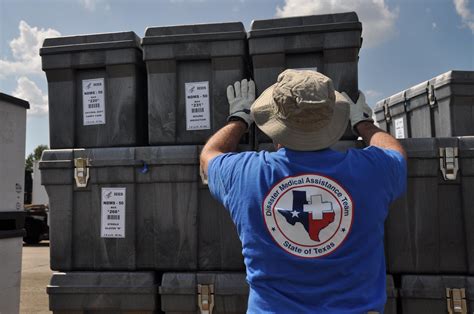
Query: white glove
x: 240, y: 97
x: 359, y: 111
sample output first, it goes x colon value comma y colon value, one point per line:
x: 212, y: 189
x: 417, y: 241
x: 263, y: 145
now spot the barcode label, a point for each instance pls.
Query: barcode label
x: 113, y: 212
x: 197, y: 106
x: 93, y: 102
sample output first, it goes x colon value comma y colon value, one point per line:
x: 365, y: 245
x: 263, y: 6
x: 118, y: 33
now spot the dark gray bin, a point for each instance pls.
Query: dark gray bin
x: 104, y: 292
x: 427, y: 294
x: 179, y: 292
x: 429, y: 230
x: 329, y: 43
x: 171, y: 220
x: 176, y: 55
x: 114, y: 62
x: 440, y: 107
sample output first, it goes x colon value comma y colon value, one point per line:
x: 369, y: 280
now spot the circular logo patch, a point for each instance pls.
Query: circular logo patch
x: 308, y: 215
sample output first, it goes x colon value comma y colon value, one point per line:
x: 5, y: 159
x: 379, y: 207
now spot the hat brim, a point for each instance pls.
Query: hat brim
x: 263, y: 111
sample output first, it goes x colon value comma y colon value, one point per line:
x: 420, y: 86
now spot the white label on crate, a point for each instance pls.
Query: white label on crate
x: 113, y: 213
x: 93, y: 101
x: 197, y: 106
x: 399, y: 128
x: 315, y: 69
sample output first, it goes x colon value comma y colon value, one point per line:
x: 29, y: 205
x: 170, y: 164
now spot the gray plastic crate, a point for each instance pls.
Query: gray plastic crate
x: 96, y: 89
x: 327, y: 43
x: 214, y: 55
x: 179, y: 292
x: 429, y: 230
x: 104, y: 292
x: 440, y: 107
x: 427, y: 294
x: 170, y: 219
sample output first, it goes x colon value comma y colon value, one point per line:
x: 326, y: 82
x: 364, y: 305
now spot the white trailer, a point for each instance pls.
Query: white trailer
x: 12, y: 176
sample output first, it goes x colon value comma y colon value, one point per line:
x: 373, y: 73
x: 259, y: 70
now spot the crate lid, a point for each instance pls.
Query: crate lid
x: 103, y: 41
x: 400, y: 97
x: 194, y: 32
x: 225, y: 283
x: 122, y: 156
x: 450, y: 77
x: 434, y: 287
x: 427, y: 147
x: 103, y: 282
x: 303, y: 24
x: 453, y: 77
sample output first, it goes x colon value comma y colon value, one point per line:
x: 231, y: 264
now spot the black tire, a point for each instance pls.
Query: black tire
x: 33, y: 231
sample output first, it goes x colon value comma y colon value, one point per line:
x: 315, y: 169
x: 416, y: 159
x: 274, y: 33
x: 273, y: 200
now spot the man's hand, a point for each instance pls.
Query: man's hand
x: 359, y: 111
x: 240, y: 97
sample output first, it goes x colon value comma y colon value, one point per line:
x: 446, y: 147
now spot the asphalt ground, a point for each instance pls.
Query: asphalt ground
x: 35, y: 276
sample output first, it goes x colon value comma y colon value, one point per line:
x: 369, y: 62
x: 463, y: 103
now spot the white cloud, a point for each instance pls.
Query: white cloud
x: 28, y: 90
x: 372, y: 96
x: 372, y: 93
x: 25, y: 51
x: 91, y: 5
x: 467, y: 17
x: 434, y: 25
x: 378, y: 20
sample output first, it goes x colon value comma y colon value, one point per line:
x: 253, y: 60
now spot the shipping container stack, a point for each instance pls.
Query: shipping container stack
x: 429, y: 234
x: 133, y: 228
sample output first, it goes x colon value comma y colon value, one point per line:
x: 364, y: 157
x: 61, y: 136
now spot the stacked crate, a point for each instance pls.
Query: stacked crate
x: 133, y: 229
x: 127, y: 203
x: 97, y: 107
x: 429, y: 236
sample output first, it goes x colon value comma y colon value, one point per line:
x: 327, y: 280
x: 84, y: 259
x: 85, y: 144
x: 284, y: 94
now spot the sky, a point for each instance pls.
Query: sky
x: 405, y: 42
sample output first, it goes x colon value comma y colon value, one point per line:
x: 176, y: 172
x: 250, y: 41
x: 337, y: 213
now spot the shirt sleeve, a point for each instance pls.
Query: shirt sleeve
x: 222, y: 175
x: 394, y: 170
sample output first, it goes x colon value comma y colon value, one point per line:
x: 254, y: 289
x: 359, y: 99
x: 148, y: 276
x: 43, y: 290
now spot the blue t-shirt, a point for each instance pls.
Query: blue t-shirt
x: 311, y: 225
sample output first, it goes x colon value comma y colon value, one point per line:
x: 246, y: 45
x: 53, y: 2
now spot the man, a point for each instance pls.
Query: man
x: 311, y: 220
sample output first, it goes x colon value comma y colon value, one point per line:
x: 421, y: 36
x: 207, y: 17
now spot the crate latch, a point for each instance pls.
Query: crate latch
x: 405, y: 101
x: 448, y: 162
x: 456, y: 300
x: 386, y: 112
x: 432, y: 96
x: 206, y: 298
x: 81, y: 171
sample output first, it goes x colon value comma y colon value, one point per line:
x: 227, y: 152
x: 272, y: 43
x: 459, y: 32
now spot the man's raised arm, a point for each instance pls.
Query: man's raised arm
x: 363, y: 125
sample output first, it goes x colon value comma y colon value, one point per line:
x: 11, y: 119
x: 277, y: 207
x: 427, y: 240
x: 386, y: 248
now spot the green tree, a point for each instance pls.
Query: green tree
x: 34, y: 156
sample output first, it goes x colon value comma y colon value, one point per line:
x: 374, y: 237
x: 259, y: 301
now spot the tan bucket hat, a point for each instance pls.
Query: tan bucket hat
x: 302, y: 111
